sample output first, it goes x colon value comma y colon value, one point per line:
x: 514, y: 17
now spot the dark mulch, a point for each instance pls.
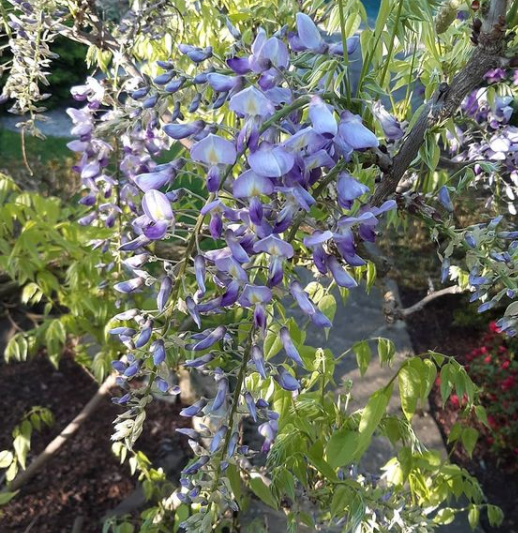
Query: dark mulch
x: 436, y: 328
x: 85, y: 478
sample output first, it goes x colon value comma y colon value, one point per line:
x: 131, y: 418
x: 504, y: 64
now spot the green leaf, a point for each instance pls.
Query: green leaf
x: 272, y: 342
x: 341, y: 448
x: 260, y: 489
x: 469, y: 439
x: 481, y: 414
x: 234, y: 478
x: 6, y: 497
x: 409, y: 383
x: 6, y: 458
x: 372, y: 415
x: 340, y: 501
x: 22, y: 442
x: 316, y: 457
x: 386, y: 351
x: 494, y: 515
x: 473, y: 516
x: 445, y: 516
x: 363, y: 353
x: 17, y: 348
x: 446, y: 384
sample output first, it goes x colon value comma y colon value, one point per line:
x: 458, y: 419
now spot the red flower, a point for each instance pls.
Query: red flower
x: 487, y: 359
x: 505, y: 364
x: 508, y: 383
x: 454, y: 399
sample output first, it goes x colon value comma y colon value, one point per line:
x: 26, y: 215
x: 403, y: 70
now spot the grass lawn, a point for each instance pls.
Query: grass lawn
x: 44, y: 150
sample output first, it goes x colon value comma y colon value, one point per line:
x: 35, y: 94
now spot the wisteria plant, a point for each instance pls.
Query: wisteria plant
x: 293, y: 145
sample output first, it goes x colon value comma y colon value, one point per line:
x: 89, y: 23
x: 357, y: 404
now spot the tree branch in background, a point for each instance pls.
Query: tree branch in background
x: 487, y: 55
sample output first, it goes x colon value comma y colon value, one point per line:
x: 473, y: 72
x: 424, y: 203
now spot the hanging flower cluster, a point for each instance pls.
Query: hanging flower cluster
x: 283, y: 153
x: 29, y: 43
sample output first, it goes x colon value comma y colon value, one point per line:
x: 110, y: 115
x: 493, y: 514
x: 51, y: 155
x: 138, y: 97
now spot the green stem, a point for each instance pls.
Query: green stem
x: 344, y: 45
x: 391, y: 45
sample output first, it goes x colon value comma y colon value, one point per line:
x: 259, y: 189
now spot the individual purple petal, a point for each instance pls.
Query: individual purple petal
x: 275, y: 271
x: 213, y: 179
x: 156, y: 230
x: 253, y: 294
x: 271, y: 161
x: 218, y: 439
x: 144, y: 336
x: 306, y: 139
x: 318, y: 237
x: 193, y: 469
x: 308, y: 37
x: 249, y: 400
x: 174, y: 86
x: 232, y: 443
x: 348, y: 189
x: 275, y: 246
x: 231, y: 294
x: 211, y: 339
x: 384, y: 207
x: 319, y: 159
x: 235, y: 247
x: 322, y: 117
x: 164, y: 293
x: 161, y: 384
x: 337, y: 49
x: 276, y: 52
x: 354, y: 133
x: 342, y: 278
x: 158, y: 351
x: 135, y: 244
x: 444, y: 199
x: 199, y: 361
x: 195, y: 54
x: 129, y: 286
x: 221, y: 394
x: 286, y: 380
x: 251, y: 184
x: 320, y: 259
x: 192, y: 309
x: 126, y: 332
x: 157, y: 206
x: 320, y: 320
x: 191, y: 433
x: 256, y: 211
x: 164, y: 78
x: 260, y: 317
x: 132, y: 370
x: 302, y: 298
x: 289, y: 347
x: 258, y: 360
x: 221, y: 82
x: 390, y: 125
x: 152, y: 180
x: 181, y: 131
x: 240, y: 65
x: 200, y: 272
x: 194, y: 409
x: 214, y: 150
x: 268, y: 432
x: 251, y: 102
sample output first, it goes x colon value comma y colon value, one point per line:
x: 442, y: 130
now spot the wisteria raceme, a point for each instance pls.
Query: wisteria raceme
x: 286, y: 154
